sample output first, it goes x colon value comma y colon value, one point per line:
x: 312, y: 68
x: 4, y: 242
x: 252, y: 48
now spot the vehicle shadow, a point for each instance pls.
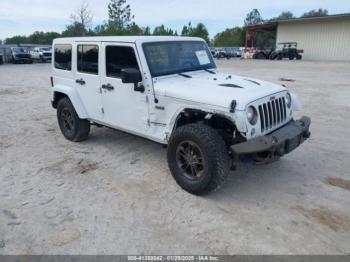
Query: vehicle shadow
x: 250, y: 183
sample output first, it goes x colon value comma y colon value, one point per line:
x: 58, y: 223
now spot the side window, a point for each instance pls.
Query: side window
x: 63, y: 57
x: 118, y: 58
x: 88, y: 59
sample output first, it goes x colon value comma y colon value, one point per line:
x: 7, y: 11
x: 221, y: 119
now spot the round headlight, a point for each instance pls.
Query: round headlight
x: 289, y: 100
x: 252, y: 115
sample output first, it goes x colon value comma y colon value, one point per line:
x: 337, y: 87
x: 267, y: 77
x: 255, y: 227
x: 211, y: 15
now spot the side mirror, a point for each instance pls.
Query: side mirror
x: 132, y: 76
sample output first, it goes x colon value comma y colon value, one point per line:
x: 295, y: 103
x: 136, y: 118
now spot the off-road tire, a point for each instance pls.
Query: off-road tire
x: 215, y: 155
x: 80, y: 128
x: 260, y: 56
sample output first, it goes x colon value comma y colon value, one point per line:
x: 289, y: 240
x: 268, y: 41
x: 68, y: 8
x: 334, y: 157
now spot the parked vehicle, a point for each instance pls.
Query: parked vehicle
x: 233, y: 52
x: 20, y: 55
x: 168, y: 89
x: 42, y: 54
x: 212, y: 51
x: 221, y: 53
x: 286, y: 50
x: 262, y: 53
x: 249, y: 53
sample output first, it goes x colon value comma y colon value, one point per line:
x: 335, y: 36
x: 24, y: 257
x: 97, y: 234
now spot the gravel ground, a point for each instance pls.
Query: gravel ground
x: 113, y: 194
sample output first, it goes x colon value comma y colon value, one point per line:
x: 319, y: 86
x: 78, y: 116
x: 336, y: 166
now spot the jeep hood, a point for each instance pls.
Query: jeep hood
x: 217, y: 90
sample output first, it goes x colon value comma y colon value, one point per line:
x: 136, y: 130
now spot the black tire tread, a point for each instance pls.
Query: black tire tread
x: 83, y: 126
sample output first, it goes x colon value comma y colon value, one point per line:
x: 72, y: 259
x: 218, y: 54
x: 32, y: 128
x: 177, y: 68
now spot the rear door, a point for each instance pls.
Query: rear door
x: 88, y: 77
x: 124, y: 108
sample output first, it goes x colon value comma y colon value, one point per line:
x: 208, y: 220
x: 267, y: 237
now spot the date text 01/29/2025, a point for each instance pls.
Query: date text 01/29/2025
x: 173, y: 258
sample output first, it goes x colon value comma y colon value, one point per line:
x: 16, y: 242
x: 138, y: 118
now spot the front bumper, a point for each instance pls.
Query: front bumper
x: 23, y: 60
x: 280, y: 142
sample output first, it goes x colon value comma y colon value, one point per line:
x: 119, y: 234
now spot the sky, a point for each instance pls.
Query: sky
x: 23, y: 17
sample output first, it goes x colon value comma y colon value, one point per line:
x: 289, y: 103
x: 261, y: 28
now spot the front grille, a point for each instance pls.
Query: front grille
x: 47, y: 54
x: 272, y: 113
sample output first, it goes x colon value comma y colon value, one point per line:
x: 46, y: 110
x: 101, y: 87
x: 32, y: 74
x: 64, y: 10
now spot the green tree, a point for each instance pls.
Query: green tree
x: 187, y: 30
x: 147, y: 30
x: 119, y: 13
x: 230, y: 37
x: 163, y: 31
x: 74, y: 29
x: 15, y: 40
x: 42, y: 38
x: 283, y: 16
x: 134, y: 29
x: 199, y: 31
x: 315, y: 13
x: 253, y: 18
x: 81, y: 22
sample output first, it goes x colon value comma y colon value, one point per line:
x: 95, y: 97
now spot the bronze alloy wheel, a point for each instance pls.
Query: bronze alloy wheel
x: 67, y: 120
x: 190, y: 160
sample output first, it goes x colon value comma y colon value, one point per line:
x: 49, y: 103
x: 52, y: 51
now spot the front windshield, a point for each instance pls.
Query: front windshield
x: 45, y: 49
x: 166, y: 58
x: 18, y: 50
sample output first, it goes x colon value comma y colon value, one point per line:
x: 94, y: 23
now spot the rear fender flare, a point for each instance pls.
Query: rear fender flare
x: 74, y: 98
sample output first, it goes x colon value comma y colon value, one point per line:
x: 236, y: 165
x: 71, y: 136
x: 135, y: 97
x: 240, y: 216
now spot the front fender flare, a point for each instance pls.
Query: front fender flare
x: 173, y: 121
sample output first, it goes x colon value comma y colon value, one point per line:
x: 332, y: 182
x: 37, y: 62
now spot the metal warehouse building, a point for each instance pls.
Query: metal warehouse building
x: 321, y: 38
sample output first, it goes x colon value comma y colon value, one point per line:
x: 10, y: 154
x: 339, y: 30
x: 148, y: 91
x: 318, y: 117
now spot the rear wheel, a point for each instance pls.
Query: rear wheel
x: 198, y: 158
x: 291, y: 56
x: 260, y: 56
x: 72, y: 127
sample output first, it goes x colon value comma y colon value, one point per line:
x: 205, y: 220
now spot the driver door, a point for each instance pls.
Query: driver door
x: 124, y: 108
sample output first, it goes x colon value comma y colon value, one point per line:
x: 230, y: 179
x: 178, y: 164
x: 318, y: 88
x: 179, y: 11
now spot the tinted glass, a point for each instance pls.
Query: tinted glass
x: 88, y: 59
x: 63, y: 57
x: 165, y: 58
x: 118, y: 58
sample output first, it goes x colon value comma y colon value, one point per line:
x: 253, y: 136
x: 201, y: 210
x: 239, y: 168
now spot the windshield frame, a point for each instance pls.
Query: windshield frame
x: 210, y: 66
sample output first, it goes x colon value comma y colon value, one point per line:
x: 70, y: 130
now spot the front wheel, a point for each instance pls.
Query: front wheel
x: 72, y: 127
x: 198, y: 158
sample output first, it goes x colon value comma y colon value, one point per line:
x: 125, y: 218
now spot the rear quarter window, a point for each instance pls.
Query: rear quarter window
x: 63, y: 57
x: 88, y: 59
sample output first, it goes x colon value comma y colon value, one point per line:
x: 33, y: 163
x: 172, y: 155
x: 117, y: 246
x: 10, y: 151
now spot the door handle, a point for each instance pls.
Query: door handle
x: 108, y: 87
x: 80, y: 81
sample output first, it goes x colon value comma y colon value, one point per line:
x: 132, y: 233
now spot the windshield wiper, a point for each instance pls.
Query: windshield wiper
x: 210, y: 72
x: 184, y: 75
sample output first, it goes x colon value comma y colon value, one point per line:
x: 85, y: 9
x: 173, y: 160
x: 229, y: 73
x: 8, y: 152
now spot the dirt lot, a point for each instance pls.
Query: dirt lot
x: 113, y: 194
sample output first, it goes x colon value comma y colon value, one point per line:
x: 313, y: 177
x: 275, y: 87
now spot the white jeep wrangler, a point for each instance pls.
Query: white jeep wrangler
x: 168, y: 89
